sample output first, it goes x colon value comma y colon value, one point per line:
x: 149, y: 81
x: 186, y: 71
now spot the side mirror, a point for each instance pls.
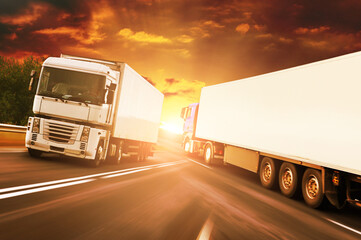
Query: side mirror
x: 184, y: 112
x: 32, y: 75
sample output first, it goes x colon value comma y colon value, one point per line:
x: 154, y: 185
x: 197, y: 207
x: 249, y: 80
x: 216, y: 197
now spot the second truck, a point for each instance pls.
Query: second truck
x: 299, y: 129
x: 93, y: 109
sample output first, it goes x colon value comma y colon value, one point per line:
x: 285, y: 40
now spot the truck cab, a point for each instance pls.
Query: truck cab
x: 72, y: 104
x: 191, y: 144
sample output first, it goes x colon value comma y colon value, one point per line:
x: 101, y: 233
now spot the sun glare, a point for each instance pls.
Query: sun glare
x: 171, y: 128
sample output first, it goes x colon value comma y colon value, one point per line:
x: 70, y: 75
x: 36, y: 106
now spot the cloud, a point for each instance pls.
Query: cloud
x: 179, y: 93
x: 171, y: 81
x: 212, y: 24
x: 142, y: 36
x: 149, y: 80
x: 243, y: 28
x: 188, y: 89
x: 185, y: 39
x: 303, y: 30
x: 27, y: 16
x: 81, y: 35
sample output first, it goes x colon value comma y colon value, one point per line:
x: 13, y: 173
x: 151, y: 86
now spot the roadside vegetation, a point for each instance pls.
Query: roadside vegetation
x: 15, y: 99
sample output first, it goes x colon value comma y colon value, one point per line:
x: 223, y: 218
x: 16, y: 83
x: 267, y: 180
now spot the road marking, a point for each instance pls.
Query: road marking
x: 199, y: 163
x: 143, y: 169
x: 38, y: 187
x: 77, y: 178
x: 206, y: 230
x: 126, y: 173
x: 344, y: 226
x: 34, y: 190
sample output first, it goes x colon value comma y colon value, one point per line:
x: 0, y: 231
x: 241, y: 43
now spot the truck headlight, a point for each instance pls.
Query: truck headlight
x: 36, y: 125
x: 85, y: 134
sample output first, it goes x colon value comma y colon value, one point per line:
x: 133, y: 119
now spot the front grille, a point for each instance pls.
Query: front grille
x: 59, y: 132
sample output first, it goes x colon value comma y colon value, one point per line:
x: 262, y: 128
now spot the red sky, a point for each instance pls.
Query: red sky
x: 182, y: 46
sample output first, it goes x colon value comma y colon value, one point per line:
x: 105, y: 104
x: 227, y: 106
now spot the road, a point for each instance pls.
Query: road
x: 170, y: 196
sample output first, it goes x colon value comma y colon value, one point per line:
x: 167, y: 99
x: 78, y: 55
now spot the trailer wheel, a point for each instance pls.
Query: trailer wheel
x: 118, y: 154
x: 268, y: 173
x: 97, y: 160
x: 312, y: 188
x: 288, y: 179
x: 208, y: 154
x: 140, y: 156
x: 34, y: 153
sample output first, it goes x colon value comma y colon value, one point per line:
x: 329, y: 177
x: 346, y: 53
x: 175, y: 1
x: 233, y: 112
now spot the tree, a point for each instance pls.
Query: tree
x: 15, y: 99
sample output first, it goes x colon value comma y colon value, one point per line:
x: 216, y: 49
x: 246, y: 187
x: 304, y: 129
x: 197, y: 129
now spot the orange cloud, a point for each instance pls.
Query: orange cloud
x: 265, y: 36
x: 142, y: 36
x: 185, y: 39
x: 243, y: 28
x: 259, y: 27
x: 212, y: 24
x: 91, y: 32
x: 81, y: 35
x: 12, y: 36
x: 302, y: 30
x: 27, y: 16
x: 316, y: 44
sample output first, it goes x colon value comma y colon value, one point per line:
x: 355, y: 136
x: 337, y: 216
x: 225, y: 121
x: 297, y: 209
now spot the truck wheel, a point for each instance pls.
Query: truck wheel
x: 118, y: 155
x: 140, y: 156
x: 268, y: 173
x: 187, y: 146
x: 288, y: 179
x: 312, y: 188
x: 97, y: 160
x: 208, y: 154
x: 34, y: 153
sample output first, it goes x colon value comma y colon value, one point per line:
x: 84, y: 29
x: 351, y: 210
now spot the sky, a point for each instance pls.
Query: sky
x: 183, y: 45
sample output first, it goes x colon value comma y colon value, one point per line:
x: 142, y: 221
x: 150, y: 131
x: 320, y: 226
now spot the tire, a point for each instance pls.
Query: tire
x: 208, y: 154
x: 97, y: 160
x: 34, y: 153
x: 187, y: 146
x: 312, y: 188
x: 268, y: 173
x: 146, y: 152
x: 288, y: 179
x: 118, y: 155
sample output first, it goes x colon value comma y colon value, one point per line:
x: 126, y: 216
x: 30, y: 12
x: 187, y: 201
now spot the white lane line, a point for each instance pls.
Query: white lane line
x: 38, y: 187
x: 199, y: 163
x: 344, y: 226
x: 34, y: 190
x: 143, y: 169
x: 126, y: 173
x: 206, y: 230
x: 76, y: 178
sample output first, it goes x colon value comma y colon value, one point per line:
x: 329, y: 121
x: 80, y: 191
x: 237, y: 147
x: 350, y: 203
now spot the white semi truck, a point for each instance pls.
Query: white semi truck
x: 93, y: 109
x: 299, y: 129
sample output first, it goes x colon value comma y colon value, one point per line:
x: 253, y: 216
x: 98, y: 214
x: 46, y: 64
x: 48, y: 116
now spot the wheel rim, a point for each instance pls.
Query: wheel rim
x: 100, y: 150
x: 287, y: 178
x: 312, y: 187
x: 208, y: 154
x: 187, y: 147
x: 267, y: 172
x: 119, y: 155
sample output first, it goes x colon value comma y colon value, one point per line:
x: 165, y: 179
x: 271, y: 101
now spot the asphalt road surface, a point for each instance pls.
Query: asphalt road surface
x: 170, y: 196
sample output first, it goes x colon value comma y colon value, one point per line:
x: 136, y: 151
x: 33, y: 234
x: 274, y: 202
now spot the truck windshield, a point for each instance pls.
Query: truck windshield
x: 72, y: 85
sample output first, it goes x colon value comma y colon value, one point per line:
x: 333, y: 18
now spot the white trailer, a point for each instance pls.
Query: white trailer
x: 299, y: 127
x: 93, y: 109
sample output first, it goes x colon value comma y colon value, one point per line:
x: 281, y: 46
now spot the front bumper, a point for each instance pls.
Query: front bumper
x: 74, y: 148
